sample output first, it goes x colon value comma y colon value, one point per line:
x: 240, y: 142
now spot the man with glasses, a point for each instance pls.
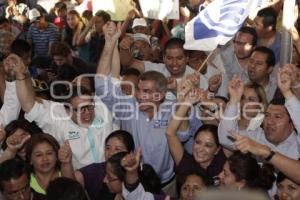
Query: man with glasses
x: 82, y: 120
x: 235, y: 57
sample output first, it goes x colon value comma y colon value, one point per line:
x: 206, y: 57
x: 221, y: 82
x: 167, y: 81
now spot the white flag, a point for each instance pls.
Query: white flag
x: 217, y: 23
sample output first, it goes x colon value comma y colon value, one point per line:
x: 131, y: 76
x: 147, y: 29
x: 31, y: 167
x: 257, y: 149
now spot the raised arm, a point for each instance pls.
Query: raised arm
x: 132, y: 188
x: 229, y: 121
x: 284, y: 82
x: 112, y: 34
x: 116, y: 64
x: 81, y: 39
x: 188, y: 95
x: 11, y: 106
x: 65, y: 158
x: 24, y: 88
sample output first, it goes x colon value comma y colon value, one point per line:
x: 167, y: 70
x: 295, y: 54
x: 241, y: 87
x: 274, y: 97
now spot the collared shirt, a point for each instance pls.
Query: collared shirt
x: 232, y: 65
x: 148, y: 134
x: 289, y: 147
x: 87, y: 144
x: 140, y: 194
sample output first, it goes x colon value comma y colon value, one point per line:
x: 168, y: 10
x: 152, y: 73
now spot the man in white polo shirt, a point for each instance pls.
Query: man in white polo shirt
x: 84, y: 120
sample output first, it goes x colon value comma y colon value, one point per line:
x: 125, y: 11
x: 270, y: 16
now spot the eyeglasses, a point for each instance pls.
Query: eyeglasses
x: 81, y: 109
x: 16, y: 194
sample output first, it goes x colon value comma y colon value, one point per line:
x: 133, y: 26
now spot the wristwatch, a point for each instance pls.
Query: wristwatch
x: 270, y: 156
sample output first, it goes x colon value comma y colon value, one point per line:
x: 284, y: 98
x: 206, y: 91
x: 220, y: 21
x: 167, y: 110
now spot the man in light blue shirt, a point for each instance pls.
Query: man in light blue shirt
x: 146, y: 115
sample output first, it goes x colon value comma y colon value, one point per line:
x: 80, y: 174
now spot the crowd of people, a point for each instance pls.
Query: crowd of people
x: 118, y: 110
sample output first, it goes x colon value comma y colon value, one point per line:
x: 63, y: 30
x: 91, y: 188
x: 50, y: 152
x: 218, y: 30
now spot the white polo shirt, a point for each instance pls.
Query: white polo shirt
x: 87, y: 144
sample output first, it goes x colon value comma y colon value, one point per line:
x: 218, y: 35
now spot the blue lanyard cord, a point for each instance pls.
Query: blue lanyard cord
x: 94, y: 150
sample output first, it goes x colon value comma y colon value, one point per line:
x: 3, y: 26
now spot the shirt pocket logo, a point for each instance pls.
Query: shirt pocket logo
x: 73, y: 135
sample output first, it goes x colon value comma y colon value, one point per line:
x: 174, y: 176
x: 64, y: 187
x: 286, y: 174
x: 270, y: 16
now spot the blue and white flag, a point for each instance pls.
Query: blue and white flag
x: 217, y: 23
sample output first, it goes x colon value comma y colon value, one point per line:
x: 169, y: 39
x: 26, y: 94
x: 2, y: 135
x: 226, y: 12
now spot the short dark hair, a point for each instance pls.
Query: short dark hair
x: 13, y: 169
x: 63, y: 188
x: 251, y: 31
x: 20, y: 47
x: 269, y: 16
x: 245, y: 167
x: 270, y: 55
x: 132, y: 71
x: 175, y: 43
x: 60, y: 6
x: 77, y: 90
x: 60, y: 49
x: 159, y: 79
x: 182, y: 177
x: 124, y: 136
x: 104, y: 15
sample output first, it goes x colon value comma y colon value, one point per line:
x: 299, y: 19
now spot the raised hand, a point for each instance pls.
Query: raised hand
x: 235, y: 89
x: 284, y: 81
x: 294, y: 73
x: 214, y: 82
x: 194, y: 78
x: 112, y: 32
x: 131, y: 161
x: 183, y: 88
x: 195, y: 95
x: 14, y: 64
x: 172, y: 83
x: 65, y: 153
x: 16, y: 141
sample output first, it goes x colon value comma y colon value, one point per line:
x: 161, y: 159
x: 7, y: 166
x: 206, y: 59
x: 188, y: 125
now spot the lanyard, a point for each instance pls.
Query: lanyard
x: 95, y: 153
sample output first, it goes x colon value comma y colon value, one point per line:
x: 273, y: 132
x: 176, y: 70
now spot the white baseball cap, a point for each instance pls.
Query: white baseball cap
x: 33, y: 15
x: 139, y: 22
x: 141, y: 37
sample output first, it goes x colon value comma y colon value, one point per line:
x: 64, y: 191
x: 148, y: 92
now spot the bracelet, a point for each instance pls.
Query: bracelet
x: 270, y: 156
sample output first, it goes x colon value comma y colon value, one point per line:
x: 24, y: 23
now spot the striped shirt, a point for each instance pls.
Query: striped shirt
x: 41, y: 39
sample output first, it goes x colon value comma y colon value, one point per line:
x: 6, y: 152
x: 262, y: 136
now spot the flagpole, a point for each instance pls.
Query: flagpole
x: 205, y: 61
x: 286, y: 39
